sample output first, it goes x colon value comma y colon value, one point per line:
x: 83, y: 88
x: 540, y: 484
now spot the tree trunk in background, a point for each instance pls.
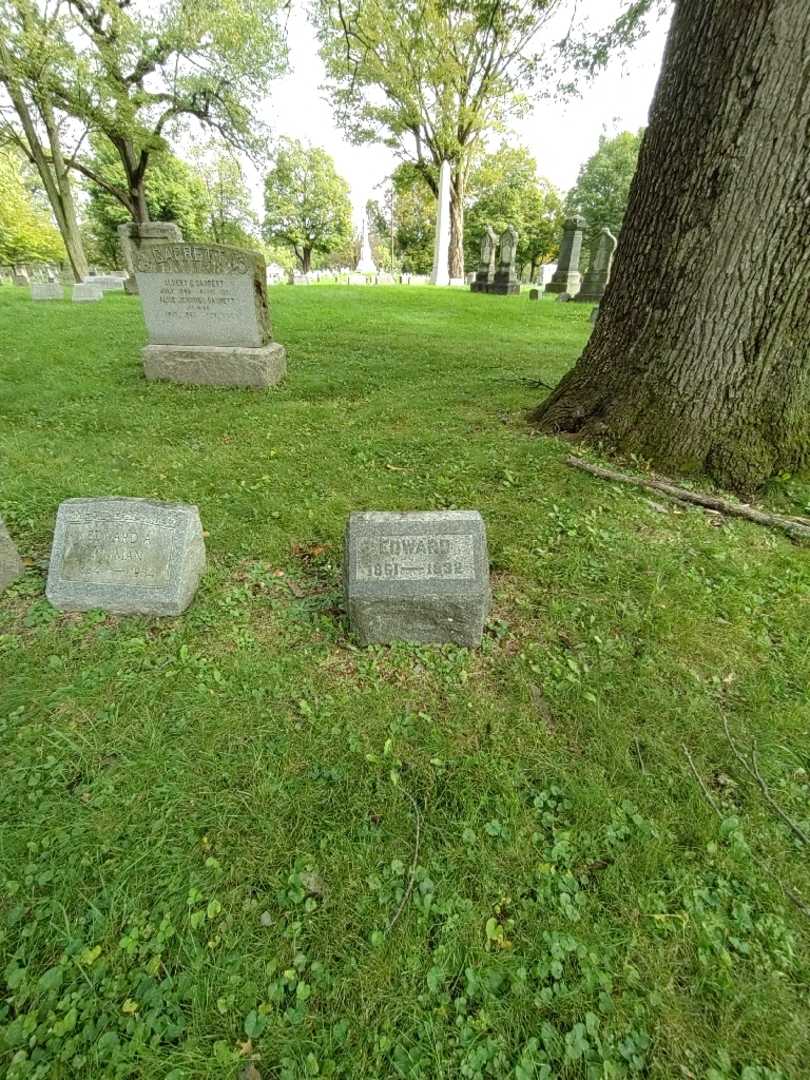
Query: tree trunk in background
x: 700, y: 358
x: 52, y: 173
x: 70, y: 231
x: 456, y: 255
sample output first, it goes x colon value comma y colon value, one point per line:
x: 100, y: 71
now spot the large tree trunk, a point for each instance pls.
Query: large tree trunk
x: 700, y: 357
x: 456, y: 254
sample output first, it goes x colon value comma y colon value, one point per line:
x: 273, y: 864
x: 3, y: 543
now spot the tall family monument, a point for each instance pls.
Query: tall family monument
x: 486, y: 267
x: 567, y: 278
x: 207, y: 317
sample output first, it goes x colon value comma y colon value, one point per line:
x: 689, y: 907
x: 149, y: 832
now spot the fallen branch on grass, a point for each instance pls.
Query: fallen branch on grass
x: 414, y: 863
x: 752, y: 769
x: 796, y: 528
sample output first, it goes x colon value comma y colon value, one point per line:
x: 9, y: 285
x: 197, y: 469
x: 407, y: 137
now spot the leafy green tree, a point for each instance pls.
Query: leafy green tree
x: 414, y: 212
x: 229, y: 215
x: 27, y: 233
x: 133, y: 73
x: 603, y: 185
x: 29, y: 119
x: 429, y: 78
x: 174, y: 192
x: 508, y: 191
x: 307, y: 204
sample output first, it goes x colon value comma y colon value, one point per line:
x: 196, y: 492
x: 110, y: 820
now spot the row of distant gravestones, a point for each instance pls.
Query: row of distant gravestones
x: 420, y: 576
x: 496, y: 270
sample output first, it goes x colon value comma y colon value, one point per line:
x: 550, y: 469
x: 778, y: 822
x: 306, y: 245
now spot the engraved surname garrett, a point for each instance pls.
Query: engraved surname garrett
x: 416, y: 558
x: 116, y: 551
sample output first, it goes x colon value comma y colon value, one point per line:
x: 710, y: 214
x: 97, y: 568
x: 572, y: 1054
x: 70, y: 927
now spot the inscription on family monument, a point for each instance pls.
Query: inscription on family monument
x: 205, y: 308
x: 129, y: 556
x: 421, y: 576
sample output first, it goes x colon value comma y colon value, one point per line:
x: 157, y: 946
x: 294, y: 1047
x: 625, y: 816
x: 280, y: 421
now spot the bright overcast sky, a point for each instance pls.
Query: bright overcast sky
x: 560, y: 136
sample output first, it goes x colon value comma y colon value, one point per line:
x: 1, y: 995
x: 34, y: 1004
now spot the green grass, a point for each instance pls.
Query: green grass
x: 207, y: 824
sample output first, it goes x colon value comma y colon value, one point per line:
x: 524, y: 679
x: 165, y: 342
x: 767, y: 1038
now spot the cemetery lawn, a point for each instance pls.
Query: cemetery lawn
x: 233, y: 844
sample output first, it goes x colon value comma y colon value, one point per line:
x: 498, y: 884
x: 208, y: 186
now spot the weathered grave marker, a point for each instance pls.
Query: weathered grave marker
x: 47, y: 290
x: 206, y: 312
x: 82, y: 293
x: 567, y: 278
x: 127, y: 556
x: 505, y: 282
x: 486, y: 266
x: 11, y: 566
x: 420, y: 576
x: 595, y: 281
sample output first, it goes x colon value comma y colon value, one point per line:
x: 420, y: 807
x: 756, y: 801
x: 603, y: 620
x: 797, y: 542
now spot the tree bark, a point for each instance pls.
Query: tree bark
x: 456, y: 254
x: 699, y: 360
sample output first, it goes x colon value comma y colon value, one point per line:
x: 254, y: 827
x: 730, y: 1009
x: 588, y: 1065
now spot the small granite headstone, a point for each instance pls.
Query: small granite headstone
x: 47, y: 290
x: 206, y: 312
x: 126, y: 556
x: 563, y: 298
x: 11, y: 566
x: 106, y: 282
x: 420, y: 576
x: 83, y: 292
x: 534, y: 294
x: 20, y: 277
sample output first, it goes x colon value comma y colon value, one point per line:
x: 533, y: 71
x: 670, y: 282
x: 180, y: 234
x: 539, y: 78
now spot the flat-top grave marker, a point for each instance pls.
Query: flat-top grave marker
x: 11, y: 566
x: 127, y: 556
x: 206, y: 312
x: 47, y: 290
x: 420, y: 576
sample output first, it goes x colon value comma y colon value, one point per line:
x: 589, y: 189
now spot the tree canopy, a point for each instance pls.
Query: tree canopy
x: 508, y: 191
x: 603, y: 185
x: 133, y: 73
x: 307, y: 204
x: 173, y: 191
x: 27, y: 233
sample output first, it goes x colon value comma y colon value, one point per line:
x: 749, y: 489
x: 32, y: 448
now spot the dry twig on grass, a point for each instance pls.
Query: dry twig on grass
x: 796, y: 528
x: 414, y: 864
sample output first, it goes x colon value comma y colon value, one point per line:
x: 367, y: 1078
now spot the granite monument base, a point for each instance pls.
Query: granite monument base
x: 565, y: 282
x: 216, y: 365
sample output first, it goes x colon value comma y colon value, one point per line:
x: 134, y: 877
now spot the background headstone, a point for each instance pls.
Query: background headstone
x: 365, y: 264
x: 567, y: 278
x: 420, y: 576
x: 84, y: 292
x: 20, y: 277
x: 134, y: 235
x: 126, y: 556
x: 11, y: 566
x: 534, y: 294
x: 206, y: 312
x: 47, y: 290
x: 486, y: 266
x: 598, y: 275
x: 441, y: 245
x: 505, y: 281
x: 106, y: 282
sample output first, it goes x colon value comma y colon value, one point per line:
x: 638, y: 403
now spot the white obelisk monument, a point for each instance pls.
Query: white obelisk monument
x: 441, y: 245
x: 366, y: 263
